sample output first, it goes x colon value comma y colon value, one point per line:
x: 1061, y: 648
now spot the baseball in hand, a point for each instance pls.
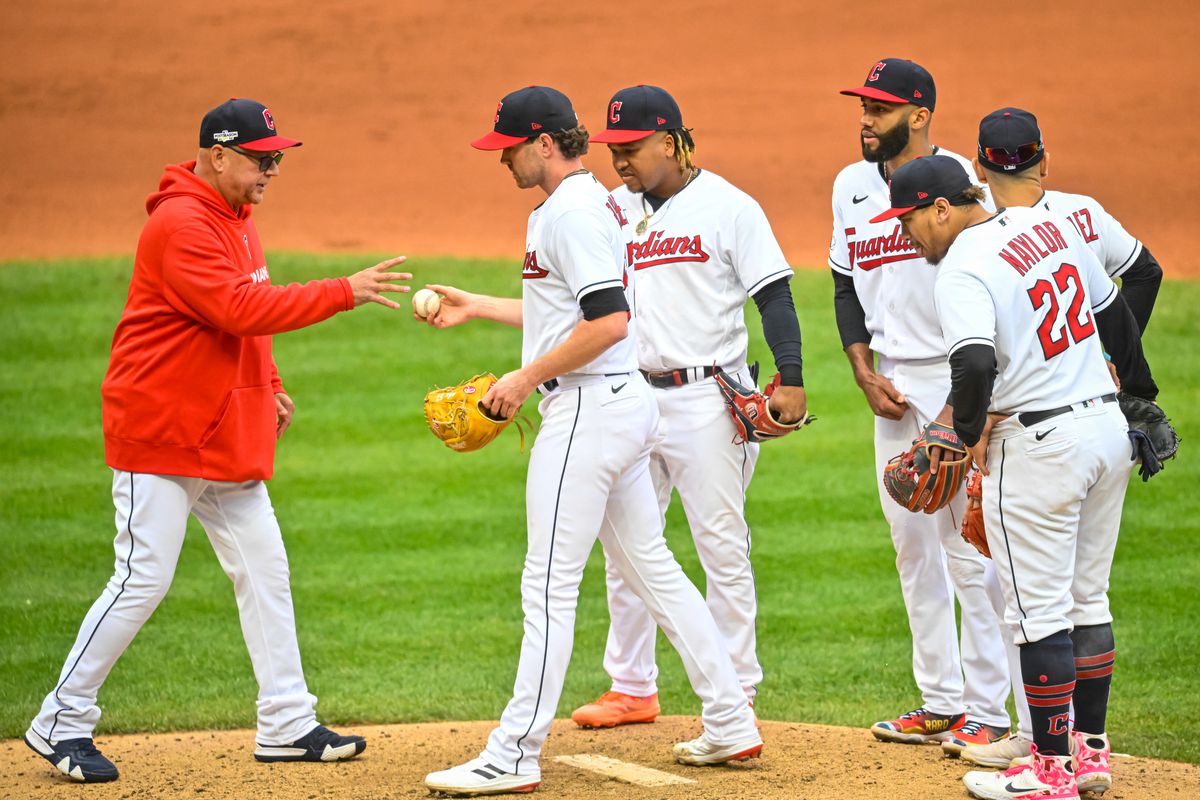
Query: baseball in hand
x: 426, y: 302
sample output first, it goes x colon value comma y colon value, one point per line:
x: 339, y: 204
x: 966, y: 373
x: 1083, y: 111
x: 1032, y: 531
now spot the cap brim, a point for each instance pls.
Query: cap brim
x: 496, y: 141
x: 891, y: 213
x: 270, y: 144
x: 874, y: 94
x: 618, y: 136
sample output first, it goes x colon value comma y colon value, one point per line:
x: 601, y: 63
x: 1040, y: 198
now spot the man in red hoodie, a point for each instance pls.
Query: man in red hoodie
x: 192, y: 407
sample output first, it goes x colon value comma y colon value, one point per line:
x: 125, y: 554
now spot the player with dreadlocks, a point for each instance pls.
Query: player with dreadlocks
x: 699, y: 247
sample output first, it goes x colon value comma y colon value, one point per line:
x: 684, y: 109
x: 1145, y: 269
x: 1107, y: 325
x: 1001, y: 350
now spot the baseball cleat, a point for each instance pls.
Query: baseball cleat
x: 999, y: 754
x: 78, y: 759
x: 615, y: 708
x: 477, y: 777
x: 1092, y: 771
x: 919, y: 727
x: 973, y: 734
x: 703, y: 753
x: 1038, y: 778
x: 319, y: 744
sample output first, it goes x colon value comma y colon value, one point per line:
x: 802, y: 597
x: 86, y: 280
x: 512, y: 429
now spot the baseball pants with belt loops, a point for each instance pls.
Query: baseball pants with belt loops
x: 152, y: 513
x: 935, y: 565
x: 696, y: 456
x: 589, y: 476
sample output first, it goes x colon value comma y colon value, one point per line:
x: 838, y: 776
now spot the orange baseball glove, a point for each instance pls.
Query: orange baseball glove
x: 972, y: 524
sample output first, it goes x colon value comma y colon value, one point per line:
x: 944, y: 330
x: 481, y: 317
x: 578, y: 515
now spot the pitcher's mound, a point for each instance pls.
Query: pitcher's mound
x: 798, y: 761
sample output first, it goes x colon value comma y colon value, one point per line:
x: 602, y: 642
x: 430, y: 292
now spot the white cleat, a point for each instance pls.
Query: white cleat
x: 997, y: 755
x: 703, y: 753
x: 478, y: 777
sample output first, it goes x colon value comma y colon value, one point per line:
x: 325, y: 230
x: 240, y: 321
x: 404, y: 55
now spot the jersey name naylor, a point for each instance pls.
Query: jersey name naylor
x: 660, y: 249
x: 872, y: 253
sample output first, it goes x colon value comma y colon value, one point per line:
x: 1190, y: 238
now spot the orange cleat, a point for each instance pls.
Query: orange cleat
x: 614, y: 708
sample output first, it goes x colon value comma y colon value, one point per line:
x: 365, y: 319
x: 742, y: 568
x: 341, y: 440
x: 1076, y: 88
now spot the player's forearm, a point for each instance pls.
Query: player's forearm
x: 972, y: 374
x: 589, y: 339
x: 1140, y: 285
x: 848, y: 310
x: 862, y: 361
x: 1121, y: 340
x: 505, y: 310
x: 781, y: 329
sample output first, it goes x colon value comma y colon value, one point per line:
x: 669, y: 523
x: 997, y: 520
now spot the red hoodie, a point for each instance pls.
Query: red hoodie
x: 191, y: 383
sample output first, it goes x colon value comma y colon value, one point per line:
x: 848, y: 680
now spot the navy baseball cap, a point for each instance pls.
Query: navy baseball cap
x: 922, y: 181
x: 1010, y: 140
x: 528, y: 112
x: 243, y: 123
x: 898, y: 80
x: 637, y: 112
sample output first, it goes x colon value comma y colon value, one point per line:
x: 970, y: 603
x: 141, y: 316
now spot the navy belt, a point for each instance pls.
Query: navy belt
x: 1030, y: 418
x: 675, y: 377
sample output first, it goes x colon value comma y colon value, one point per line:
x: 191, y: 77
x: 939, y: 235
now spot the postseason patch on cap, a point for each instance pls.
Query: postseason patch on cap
x: 246, y: 123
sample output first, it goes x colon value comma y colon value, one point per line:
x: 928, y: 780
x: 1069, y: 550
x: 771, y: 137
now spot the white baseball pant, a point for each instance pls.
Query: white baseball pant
x: 698, y: 457
x: 588, y: 476
x: 935, y: 565
x: 152, y: 513
x: 1052, y: 510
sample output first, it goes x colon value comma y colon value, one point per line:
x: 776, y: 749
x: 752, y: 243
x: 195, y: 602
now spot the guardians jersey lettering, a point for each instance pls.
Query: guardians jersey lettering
x: 573, y: 247
x: 659, y: 249
x: 1025, y: 283
x: 704, y: 251
x: 892, y: 282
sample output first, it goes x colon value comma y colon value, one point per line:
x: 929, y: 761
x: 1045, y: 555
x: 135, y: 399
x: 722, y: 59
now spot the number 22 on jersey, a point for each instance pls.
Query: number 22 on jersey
x: 1066, y: 288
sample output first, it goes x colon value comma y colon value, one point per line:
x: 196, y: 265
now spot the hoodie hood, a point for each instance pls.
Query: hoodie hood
x: 181, y: 180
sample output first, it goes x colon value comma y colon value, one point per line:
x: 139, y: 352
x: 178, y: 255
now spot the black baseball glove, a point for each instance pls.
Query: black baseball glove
x: 1153, y: 438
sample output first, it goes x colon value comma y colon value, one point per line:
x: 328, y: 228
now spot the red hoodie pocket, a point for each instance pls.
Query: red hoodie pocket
x: 240, y: 444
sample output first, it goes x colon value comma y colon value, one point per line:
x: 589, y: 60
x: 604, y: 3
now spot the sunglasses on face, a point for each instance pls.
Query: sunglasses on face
x: 264, y: 161
x: 1023, y: 154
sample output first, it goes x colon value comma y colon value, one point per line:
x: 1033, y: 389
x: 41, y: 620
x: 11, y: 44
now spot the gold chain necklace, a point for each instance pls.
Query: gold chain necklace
x: 646, y: 213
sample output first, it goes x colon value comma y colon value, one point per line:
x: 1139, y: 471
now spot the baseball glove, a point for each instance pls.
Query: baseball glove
x: 454, y: 415
x: 1153, y: 438
x: 910, y: 483
x: 972, y: 525
x: 752, y: 417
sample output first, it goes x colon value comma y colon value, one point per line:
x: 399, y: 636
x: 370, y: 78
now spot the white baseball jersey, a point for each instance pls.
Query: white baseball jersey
x: 701, y: 254
x: 892, y: 282
x: 1025, y: 283
x: 573, y: 247
x: 1100, y: 231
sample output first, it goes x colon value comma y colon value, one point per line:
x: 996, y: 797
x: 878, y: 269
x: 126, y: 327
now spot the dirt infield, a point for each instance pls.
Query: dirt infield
x: 96, y: 97
x: 800, y: 761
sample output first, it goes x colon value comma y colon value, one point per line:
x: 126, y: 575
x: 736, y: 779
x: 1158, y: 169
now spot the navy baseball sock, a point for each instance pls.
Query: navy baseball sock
x: 1095, y: 654
x: 1048, y: 669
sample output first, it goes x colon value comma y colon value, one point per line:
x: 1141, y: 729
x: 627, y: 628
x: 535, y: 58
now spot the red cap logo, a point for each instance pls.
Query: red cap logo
x: 873, y: 75
x: 614, y: 112
x: 922, y: 195
x: 499, y: 106
x: 661, y: 121
x: 269, y: 119
x: 537, y: 126
x: 916, y: 93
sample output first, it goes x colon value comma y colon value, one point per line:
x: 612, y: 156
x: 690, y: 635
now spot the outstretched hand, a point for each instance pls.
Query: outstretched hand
x: 369, y: 285
x: 456, y: 307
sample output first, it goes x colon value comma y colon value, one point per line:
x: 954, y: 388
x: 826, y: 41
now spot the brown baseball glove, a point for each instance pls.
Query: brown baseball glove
x: 908, y: 478
x: 751, y: 412
x: 454, y: 415
x: 972, y: 525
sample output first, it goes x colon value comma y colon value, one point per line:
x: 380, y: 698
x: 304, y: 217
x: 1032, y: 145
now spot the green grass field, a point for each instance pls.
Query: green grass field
x: 406, y: 556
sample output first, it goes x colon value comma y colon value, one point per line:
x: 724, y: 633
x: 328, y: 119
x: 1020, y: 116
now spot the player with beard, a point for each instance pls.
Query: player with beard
x: 883, y: 298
